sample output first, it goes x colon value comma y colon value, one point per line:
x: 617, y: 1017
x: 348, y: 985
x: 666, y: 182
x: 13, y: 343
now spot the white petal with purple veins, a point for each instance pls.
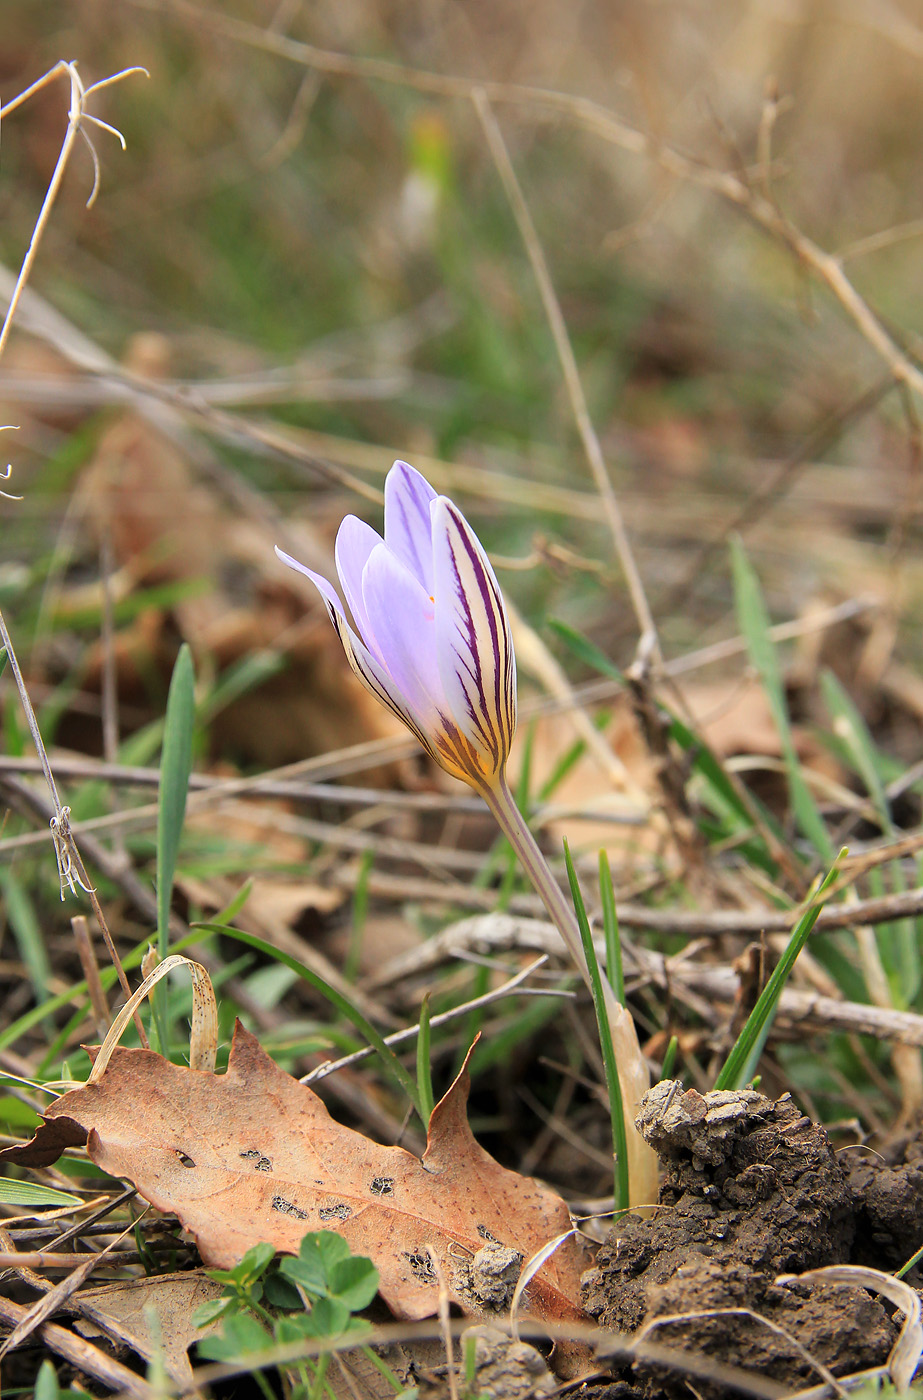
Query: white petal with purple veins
x: 408, y: 526
x: 435, y: 645
x: 473, y: 645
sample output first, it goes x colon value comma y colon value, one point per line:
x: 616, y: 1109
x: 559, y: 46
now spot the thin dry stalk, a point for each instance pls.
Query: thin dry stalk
x: 710, y: 990
x: 701, y: 1314
x: 56, y: 1297
x: 82, y: 1355
x: 648, y: 646
x: 77, y: 119
x: 71, y: 869
x: 87, y: 956
x: 508, y: 989
x: 445, y: 1324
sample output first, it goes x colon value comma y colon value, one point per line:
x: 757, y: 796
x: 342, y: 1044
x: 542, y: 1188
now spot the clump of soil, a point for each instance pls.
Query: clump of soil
x: 889, y: 1207
x: 753, y: 1190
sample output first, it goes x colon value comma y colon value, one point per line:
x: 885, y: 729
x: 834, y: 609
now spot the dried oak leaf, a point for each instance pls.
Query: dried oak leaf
x: 253, y: 1155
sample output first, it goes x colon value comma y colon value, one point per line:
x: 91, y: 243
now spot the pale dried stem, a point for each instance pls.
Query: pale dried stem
x: 647, y: 645
x: 87, y: 956
x: 634, y: 1077
x: 445, y: 1325
x: 710, y: 990
x: 70, y: 864
x: 509, y: 988
x: 885, y: 238
x: 83, y: 1355
x: 57, y: 1297
x: 77, y: 116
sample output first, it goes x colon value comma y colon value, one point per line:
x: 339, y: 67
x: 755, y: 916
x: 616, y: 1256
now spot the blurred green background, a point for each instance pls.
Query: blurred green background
x: 270, y: 218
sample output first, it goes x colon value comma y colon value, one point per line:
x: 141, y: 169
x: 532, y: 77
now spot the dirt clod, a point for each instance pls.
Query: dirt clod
x: 889, y: 1207
x: 505, y: 1369
x: 753, y: 1189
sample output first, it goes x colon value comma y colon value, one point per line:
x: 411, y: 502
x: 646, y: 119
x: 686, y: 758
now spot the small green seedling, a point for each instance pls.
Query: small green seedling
x: 313, y: 1296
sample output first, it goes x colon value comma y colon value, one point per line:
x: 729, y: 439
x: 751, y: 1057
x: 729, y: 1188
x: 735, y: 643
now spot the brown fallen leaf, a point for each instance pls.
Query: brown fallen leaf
x: 151, y: 1315
x: 253, y: 1155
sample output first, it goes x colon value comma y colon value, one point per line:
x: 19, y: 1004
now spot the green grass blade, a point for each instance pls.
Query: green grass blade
x: 850, y: 727
x: 669, y: 1059
x: 424, y: 1069
x: 611, y: 929
x: 753, y: 1034
x: 702, y: 759
x: 753, y: 620
x: 175, y: 768
x: 235, y: 903
x: 388, y: 1058
x: 22, y: 919
x: 30, y: 1193
x: 616, y: 1106
x: 899, y: 943
x: 253, y: 670
x: 914, y: 1259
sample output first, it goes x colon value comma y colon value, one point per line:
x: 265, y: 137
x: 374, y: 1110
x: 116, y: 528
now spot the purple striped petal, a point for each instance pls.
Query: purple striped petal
x: 400, y: 616
x: 355, y: 542
x: 372, y: 675
x: 473, y: 645
x: 408, y: 526
x: 432, y: 641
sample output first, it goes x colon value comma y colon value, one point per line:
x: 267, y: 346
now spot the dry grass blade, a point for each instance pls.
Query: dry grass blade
x: 203, y: 1036
x: 56, y: 1297
x: 82, y: 1355
x: 529, y: 1269
x: 77, y: 118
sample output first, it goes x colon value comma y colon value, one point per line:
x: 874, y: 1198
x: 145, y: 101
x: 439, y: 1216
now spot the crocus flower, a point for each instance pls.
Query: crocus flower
x: 431, y: 637
x: 432, y: 641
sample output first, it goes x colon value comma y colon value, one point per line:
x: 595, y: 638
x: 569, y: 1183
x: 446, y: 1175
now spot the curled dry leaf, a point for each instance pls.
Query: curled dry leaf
x: 253, y: 1155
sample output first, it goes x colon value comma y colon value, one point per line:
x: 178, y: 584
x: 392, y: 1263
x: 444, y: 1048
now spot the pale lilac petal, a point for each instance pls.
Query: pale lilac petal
x: 473, y: 643
x: 372, y: 674
x: 408, y: 528
x: 355, y: 542
x: 327, y: 590
x: 400, y: 616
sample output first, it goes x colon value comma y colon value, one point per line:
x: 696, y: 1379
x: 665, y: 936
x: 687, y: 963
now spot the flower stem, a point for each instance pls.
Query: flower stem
x: 513, y: 824
x: 632, y: 1067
